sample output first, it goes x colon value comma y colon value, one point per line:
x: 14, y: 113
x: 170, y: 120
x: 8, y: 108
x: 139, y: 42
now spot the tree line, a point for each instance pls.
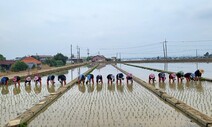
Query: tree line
x: 56, y: 61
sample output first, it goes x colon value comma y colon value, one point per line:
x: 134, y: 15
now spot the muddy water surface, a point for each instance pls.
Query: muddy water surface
x: 110, y: 106
x: 186, y: 67
x: 15, y: 100
x: 195, y: 93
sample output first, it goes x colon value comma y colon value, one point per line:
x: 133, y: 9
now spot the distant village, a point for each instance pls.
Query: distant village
x: 38, y: 60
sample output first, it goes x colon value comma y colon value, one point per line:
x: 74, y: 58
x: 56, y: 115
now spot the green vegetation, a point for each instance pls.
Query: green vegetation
x: 36, y: 57
x: 2, y: 69
x: 19, y: 66
x: 57, y: 61
x: 88, y: 58
x: 2, y: 57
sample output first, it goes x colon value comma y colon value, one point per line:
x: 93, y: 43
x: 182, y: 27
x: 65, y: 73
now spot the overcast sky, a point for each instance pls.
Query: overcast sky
x: 132, y: 28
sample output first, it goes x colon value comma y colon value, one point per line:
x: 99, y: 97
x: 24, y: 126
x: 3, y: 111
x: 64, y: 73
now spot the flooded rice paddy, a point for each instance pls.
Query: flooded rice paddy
x: 186, y: 67
x: 110, y: 105
x: 195, y: 93
x: 15, y: 100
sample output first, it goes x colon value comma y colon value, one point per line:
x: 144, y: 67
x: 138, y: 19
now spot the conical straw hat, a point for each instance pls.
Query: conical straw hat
x: 201, y: 70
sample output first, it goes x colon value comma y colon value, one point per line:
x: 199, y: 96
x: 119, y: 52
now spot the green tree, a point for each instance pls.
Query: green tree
x: 88, y: 58
x: 60, y: 56
x: 19, y: 66
x: 206, y: 54
x: 36, y: 57
x: 58, y: 60
x: 59, y: 63
x: 2, y: 57
x: 50, y: 62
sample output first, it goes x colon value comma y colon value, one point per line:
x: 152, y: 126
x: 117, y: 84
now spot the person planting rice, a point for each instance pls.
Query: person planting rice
x: 189, y: 76
x: 81, y: 78
x: 162, y: 76
x: 129, y: 77
x: 180, y: 76
x: 110, y: 78
x: 62, y: 79
x: 152, y: 78
x: 51, y: 79
x: 28, y: 80
x: 37, y: 79
x: 99, y: 79
x: 119, y: 77
x: 17, y: 80
x: 198, y: 73
x: 4, y: 80
x: 172, y: 77
x: 90, y: 78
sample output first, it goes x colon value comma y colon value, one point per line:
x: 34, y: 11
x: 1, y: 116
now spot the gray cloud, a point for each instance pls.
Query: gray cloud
x: 50, y: 26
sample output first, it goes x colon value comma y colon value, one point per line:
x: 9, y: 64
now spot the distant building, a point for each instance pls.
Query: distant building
x: 30, y: 61
x: 74, y: 60
x: 113, y: 58
x: 6, y: 64
x: 18, y: 58
x: 98, y: 58
x: 44, y: 57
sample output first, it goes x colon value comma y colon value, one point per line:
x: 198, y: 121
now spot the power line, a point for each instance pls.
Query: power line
x: 193, y: 41
x: 130, y: 47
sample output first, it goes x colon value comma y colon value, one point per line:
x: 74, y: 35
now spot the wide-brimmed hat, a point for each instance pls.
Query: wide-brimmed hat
x: 201, y: 70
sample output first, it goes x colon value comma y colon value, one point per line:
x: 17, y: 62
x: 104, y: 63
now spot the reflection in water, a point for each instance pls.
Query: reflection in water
x: 172, y: 85
x: 111, y: 87
x: 197, y: 66
x: 16, y: 90
x: 5, y: 90
x: 99, y: 87
x: 90, y: 88
x: 61, y: 72
x: 165, y: 66
x: 120, y: 87
x: 162, y: 85
x: 187, y: 84
x: 180, y: 86
x: 28, y: 88
x: 78, y: 71
x: 37, y: 88
x: 153, y: 84
x: 130, y: 87
x: 51, y: 88
x: 111, y: 109
x: 72, y: 74
x: 199, y: 87
x: 81, y: 88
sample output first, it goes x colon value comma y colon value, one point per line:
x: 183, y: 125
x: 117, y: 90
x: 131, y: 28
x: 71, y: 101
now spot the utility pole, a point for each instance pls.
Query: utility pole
x: 71, y: 53
x: 120, y: 56
x: 196, y: 62
x: 165, y: 49
x: 88, y: 52
x: 196, y: 53
x: 78, y: 54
